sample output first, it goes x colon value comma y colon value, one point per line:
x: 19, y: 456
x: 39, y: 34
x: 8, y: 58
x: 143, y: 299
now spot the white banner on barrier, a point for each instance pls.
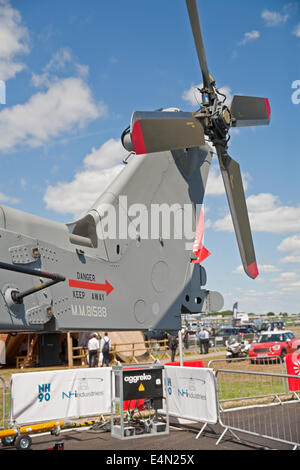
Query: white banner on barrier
x: 192, y: 393
x: 46, y: 396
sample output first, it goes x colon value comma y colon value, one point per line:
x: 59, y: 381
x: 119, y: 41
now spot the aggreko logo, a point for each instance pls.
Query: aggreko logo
x: 135, y: 378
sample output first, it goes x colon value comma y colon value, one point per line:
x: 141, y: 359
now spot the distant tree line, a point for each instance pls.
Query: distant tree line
x: 225, y: 313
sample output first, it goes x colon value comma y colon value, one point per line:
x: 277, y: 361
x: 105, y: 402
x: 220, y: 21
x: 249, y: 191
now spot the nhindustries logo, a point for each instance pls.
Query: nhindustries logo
x: 190, y: 394
x: 44, y: 392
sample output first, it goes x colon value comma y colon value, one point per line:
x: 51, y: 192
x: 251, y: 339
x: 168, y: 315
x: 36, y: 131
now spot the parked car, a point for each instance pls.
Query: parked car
x: 192, y: 333
x: 246, y: 329
x: 264, y: 325
x: 223, y: 334
x: 274, y: 344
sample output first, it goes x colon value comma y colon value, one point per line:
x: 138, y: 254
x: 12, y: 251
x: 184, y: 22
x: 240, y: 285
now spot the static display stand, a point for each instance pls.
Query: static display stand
x: 143, y: 389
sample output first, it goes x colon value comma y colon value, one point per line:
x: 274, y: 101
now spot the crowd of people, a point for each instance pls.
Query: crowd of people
x: 203, y: 336
x: 98, y: 349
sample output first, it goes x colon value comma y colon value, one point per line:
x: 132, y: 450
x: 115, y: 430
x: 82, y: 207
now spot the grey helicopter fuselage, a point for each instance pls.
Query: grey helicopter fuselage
x: 116, y: 283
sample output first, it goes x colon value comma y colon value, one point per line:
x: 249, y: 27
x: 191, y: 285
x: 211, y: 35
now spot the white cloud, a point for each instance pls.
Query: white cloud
x: 296, y: 30
x: 250, y: 37
x: 258, y: 298
x: 215, y: 185
x: 82, y: 70
x: 8, y: 200
x: 273, y: 18
x: 61, y: 61
x: 288, y: 281
x: 294, y: 286
x: 9, y: 69
x: 291, y: 259
x: 193, y: 95
x: 262, y: 202
x: 101, y: 166
x: 266, y: 214
x: 66, y: 105
x: 290, y: 245
x: 286, y: 276
x: 14, y: 39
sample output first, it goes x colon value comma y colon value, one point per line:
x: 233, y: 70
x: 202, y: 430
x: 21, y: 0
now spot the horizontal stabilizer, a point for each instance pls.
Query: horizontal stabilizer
x: 159, y: 131
x: 250, y: 111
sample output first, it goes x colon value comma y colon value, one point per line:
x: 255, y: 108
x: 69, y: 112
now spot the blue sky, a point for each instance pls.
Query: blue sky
x: 75, y: 72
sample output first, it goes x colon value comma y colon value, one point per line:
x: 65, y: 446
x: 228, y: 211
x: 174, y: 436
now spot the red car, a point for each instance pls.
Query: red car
x: 274, y: 345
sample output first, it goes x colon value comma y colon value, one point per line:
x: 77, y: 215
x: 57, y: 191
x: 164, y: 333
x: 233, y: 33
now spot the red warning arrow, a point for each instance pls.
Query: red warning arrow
x: 107, y: 287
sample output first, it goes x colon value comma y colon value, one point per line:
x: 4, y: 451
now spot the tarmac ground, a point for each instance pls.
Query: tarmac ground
x: 182, y: 440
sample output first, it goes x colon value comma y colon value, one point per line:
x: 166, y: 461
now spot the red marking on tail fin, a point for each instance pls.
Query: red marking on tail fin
x: 199, y: 249
x: 138, y: 139
x: 199, y: 234
x: 202, y: 254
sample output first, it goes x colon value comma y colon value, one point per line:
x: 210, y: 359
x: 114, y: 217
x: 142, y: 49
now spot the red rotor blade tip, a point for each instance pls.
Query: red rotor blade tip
x: 253, y: 270
x: 268, y: 107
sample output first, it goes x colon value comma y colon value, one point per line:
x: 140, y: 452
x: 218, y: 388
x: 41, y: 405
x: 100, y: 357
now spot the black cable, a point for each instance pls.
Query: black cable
x: 222, y: 94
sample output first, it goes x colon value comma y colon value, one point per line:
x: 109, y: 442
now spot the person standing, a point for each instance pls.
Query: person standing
x: 206, y: 341
x: 172, y: 344
x: 201, y: 337
x: 186, y: 336
x: 93, y: 348
x: 105, y: 348
x: 83, y: 339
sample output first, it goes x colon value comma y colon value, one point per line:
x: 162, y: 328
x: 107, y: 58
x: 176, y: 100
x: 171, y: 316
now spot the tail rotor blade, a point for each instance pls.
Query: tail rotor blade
x: 250, y: 111
x: 233, y: 183
x: 197, y: 33
x: 160, y: 131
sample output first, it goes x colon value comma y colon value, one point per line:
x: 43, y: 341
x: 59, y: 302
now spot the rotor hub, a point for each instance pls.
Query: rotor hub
x: 220, y: 122
x: 226, y: 116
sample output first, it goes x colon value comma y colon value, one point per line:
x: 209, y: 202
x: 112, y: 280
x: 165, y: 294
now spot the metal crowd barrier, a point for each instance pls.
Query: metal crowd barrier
x: 220, y: 341
x: 258, y: 365
x: 4, y: 403
x: 253, y: 402
x: 259, y: 404
x: 217, y: 343
x: 194, y: 344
